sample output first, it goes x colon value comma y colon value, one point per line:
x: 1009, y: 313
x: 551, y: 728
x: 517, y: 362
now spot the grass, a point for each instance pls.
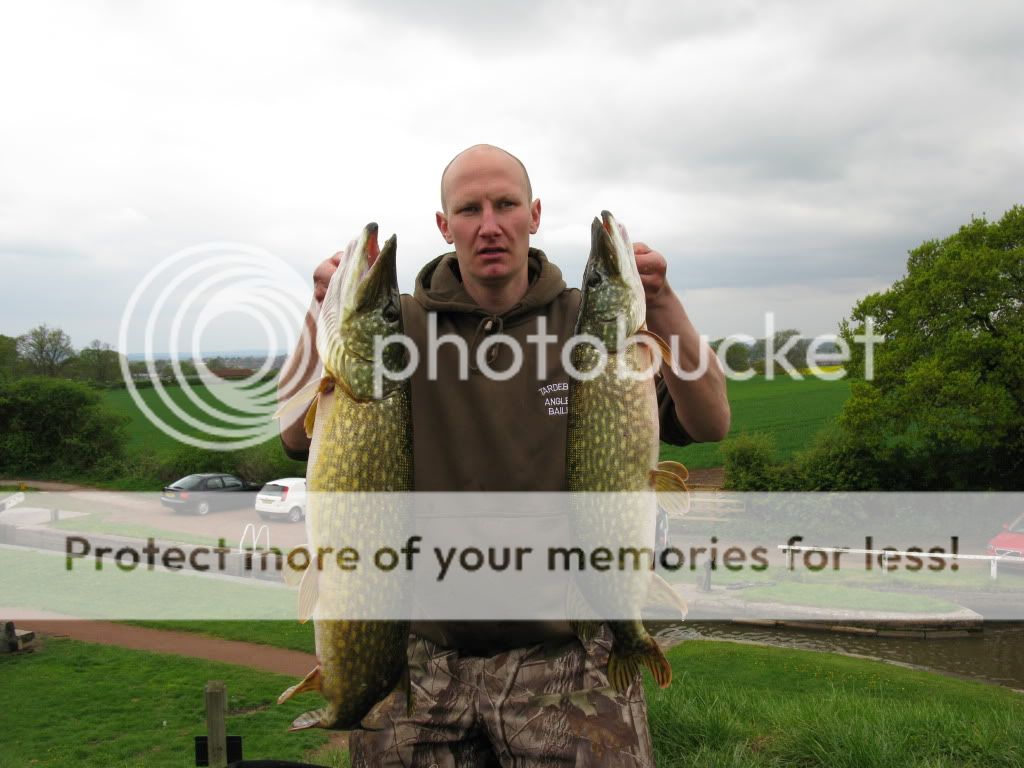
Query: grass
x: 747, y: 706
x: 42, y: 582
x: 844, y: 597
x: 78, y: 704
x: 98, y: 522
x: 791, y: 411
x: 143, y: 434
x: 281, y: 634
x: 729, y: 705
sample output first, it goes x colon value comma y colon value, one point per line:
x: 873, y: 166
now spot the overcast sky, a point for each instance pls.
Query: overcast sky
x: 782, y: 156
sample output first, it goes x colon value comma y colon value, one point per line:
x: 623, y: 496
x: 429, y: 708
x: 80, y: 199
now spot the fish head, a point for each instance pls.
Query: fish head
x: 612, y: 292
x: 361, y: 309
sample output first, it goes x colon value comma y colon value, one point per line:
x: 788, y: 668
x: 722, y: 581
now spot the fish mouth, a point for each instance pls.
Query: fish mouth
x: 612, y: 260
x: 379, y: 286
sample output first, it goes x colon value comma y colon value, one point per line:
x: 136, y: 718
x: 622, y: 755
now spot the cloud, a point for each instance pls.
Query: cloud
x: 785, y: 148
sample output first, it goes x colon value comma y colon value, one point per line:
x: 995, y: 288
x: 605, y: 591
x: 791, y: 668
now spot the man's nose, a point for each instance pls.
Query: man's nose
x: 489, y: 221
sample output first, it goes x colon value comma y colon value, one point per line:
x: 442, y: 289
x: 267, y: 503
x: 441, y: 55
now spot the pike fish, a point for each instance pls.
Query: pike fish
x: 613, y: 447
x: 365, y: 449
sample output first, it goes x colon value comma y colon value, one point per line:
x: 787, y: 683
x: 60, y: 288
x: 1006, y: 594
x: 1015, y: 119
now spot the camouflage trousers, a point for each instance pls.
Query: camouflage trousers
x: 534, y: 707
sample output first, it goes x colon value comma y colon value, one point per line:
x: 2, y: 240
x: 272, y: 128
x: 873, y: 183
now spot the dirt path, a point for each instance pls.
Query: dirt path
x: 254, y: 655
x: 714, y: 476
x: 48, y: 485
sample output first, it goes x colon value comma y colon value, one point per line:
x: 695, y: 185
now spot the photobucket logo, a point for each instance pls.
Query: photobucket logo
x: 175, y: 304
x: 479, y: 359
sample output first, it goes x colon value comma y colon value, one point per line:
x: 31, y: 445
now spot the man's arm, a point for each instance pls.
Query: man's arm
x: 701, y: 404
x: 304, y: 363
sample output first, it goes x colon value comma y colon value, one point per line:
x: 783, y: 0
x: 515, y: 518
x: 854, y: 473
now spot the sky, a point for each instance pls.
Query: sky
x: 182, y: 167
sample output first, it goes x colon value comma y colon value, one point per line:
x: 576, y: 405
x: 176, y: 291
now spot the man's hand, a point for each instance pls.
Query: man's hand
x: 701, y: 404
x: 325, y: 269
x: 323, y: 273
x: 652, y: 267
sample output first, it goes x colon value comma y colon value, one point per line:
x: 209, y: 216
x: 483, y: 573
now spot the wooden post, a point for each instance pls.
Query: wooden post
x: 8, y: 638
x: 216, y: 728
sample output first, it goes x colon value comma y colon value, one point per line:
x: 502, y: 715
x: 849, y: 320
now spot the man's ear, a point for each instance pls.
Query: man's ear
x: 442, y: 226
x: 534, y: 216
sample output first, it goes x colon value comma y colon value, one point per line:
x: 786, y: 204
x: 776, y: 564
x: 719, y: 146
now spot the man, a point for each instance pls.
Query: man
x: 492, y: 693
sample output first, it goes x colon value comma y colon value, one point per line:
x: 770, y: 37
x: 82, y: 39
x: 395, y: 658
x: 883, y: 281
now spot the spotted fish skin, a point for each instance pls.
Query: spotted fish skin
x: 364, y: 456
x: 613, y: 446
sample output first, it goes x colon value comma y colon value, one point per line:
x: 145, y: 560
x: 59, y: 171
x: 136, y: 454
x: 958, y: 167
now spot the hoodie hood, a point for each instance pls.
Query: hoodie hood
x: 439, y: 287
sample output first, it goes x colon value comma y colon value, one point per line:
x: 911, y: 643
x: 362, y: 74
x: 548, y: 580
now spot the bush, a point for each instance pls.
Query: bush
x: 56, y: 425
x: 750, y: 463
x: 835, y: 462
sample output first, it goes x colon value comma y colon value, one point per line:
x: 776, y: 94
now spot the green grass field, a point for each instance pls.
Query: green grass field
x: 83, y: 705
x: 143, y: 434
x: 737, y: 705
x: 791, y: 411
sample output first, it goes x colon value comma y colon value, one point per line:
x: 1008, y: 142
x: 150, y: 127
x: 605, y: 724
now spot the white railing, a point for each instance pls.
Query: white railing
x: 994, y: 560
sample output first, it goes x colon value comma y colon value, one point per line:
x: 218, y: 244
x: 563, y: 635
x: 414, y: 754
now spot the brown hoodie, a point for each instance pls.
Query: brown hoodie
x: 475, y: 433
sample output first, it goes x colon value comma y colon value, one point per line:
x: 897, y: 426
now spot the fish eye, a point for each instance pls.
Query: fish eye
x: 593, y: 279
x: 391, y: 313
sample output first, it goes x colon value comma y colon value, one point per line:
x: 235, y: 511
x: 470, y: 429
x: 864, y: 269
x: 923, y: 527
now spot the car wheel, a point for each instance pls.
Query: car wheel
x: 203, y: 508
x: 295, y: 514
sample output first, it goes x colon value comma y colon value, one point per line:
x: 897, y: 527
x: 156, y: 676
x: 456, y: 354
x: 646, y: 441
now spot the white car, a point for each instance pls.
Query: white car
x: 283, y: 498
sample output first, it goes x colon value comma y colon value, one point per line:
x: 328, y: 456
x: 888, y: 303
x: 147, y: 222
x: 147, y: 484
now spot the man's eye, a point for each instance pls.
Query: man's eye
x: 468, y: 209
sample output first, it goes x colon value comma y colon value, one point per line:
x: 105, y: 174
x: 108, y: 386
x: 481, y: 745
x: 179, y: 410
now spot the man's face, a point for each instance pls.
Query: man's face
x: 490, y: 217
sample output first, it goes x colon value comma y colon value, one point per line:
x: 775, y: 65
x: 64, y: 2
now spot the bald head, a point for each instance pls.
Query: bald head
x: 474, y: 152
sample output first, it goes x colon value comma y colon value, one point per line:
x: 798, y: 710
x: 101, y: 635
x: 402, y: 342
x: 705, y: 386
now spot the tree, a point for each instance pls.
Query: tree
x: 99, y: 363
x: 56, y: 426
x: 944, y: 409
x: 737, y: 355
x: 8, y: 356
x: 45, y: 350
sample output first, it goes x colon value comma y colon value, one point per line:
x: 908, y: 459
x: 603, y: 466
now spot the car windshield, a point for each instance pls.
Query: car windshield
x: 277, y: 491
x: 1017, y: 526
x: 188, y: 483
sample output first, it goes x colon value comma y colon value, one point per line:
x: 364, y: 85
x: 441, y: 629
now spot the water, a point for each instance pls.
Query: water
x: 995, y: 655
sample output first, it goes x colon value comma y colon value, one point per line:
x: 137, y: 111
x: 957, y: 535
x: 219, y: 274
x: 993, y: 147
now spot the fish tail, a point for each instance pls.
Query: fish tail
x: 310, y: 682
x: 625, y: 664
x: 313, y: 719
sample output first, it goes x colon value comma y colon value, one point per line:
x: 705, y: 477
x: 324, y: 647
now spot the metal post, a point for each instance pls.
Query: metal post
x: 216, y: 727
x: 993, y: 568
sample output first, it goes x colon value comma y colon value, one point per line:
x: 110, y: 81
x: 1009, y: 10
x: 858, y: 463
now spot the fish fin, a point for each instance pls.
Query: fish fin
x: 663, y: 347
x: 585, y: 630
x: 310, y: 421
x: 675, y: 468
x: 299, y: 399
x: 309, y: 593
x: 293, y: 576
x: 673, y: 495
x: 579, y: 612
x: 311, y: 719
x: 660, y: 592
x: 310, y: 682
x: 624, y: 667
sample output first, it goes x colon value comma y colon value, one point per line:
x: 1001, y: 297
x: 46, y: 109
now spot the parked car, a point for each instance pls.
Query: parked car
x: 283, y: 498
x: 1010, y: 541
x: 204, y: 493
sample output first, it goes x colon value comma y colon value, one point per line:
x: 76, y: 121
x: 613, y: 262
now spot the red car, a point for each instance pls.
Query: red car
x: 1010, y: 541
